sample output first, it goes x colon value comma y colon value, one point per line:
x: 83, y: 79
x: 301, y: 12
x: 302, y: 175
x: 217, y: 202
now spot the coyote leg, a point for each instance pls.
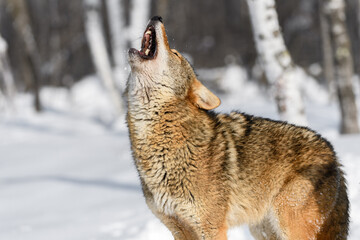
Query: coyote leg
x: 178, y: 230
x: 181, y: 231
x: 302, y: 210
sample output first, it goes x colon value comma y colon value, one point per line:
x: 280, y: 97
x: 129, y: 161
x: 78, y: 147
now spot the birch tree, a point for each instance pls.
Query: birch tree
x: 5, y: 72
x: 116, y: 15
x: 334, y: 11
x: 276, y: 60
x: 95, y: 35
x: 139, y: 15
x: 22, y: 25
x: 327, y: 52
x: 121, y: 36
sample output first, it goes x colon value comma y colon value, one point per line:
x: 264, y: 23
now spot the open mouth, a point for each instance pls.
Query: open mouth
x: 148, y: 43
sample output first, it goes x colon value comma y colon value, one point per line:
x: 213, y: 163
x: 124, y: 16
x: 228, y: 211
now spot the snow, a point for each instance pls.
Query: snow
x: 67, y: 173
x: 3, y: 45
x: 233, y: 78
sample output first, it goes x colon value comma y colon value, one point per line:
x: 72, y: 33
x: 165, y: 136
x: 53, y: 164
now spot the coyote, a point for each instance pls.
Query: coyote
x: 203, y: 172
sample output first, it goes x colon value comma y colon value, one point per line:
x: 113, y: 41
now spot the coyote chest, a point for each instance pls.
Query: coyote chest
x: 161, y: 157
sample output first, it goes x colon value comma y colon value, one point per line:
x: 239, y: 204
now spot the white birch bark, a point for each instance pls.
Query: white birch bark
x: 334, y: 10
x: 95, y: 35
x: 139, y: 15
x: 327, y: 53
x: 276, y: 61
x: 5, y: 72
x: 118, y: 39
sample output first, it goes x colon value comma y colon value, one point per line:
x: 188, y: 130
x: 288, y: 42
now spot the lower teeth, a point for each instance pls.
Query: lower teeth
x: 147, y: 52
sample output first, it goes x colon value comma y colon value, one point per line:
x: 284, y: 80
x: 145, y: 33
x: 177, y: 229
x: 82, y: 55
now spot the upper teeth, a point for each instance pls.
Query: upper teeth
x: 148, y: 32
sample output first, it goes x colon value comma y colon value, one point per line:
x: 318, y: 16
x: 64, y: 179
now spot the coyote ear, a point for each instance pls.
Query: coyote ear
x: 202, y: 97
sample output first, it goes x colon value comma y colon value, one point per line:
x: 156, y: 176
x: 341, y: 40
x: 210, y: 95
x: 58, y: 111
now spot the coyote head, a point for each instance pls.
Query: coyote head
x: 159, y: 73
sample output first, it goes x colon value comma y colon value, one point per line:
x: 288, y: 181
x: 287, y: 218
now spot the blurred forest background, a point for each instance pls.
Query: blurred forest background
x: 66, y: 164
x: 48, y: 43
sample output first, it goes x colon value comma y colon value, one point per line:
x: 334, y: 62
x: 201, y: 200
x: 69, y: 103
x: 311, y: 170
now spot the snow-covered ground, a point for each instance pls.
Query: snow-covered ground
x: 67, y: 173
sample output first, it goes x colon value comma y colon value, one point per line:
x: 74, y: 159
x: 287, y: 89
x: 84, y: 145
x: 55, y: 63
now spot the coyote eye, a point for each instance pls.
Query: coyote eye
x: 175, y: 52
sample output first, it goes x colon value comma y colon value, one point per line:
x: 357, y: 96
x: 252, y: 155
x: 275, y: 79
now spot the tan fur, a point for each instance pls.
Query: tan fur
x: 202, y: 172
x: 202, y: 97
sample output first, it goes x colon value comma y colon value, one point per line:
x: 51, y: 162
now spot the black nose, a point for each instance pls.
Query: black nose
x: 156, y: 18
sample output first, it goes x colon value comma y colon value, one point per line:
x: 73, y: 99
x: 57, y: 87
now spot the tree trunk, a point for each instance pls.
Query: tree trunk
x: 21, y: 17
x: 139, y: 15
x: 5, y: 72
x: 95, y: 35
x: 116, y: 17
x: 276, y: 61
x: 358, y: 16
x: 327, y: 53
x: 334, y: 10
